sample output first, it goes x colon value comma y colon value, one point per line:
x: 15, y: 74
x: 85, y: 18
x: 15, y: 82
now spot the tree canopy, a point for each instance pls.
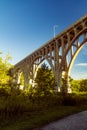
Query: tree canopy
x: 79, y: 85
x: 44, y: 79
x: 4, y: 69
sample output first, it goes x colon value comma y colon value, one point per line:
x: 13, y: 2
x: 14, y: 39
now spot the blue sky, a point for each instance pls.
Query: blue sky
x: 25, y: 25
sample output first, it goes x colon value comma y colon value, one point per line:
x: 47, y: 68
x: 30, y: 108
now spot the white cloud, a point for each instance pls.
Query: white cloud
x: 79, y: 75
x: 81, y: 64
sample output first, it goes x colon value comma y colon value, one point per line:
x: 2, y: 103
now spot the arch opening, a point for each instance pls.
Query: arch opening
x: 36, y: 64
x: 74, y: 59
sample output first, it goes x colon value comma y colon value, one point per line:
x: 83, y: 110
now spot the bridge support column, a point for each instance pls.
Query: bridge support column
x: 65, y: 83
x: 26, y: 81
x: 57, y: 81
x: 69, y: 90
x: 18, y: 79
x: 57, y: 74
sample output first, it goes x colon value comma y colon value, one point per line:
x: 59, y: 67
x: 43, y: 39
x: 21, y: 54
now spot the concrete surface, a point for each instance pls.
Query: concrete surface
x: 73, y: 122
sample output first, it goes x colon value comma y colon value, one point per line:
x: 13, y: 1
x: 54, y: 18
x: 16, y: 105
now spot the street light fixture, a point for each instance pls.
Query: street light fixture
x: 54, y: 29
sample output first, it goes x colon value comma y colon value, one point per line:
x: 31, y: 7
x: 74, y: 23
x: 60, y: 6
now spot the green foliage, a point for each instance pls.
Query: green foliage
x: 21, y: 110
x: 83, y: 85
x: 79, y: 85
x: 44, y: 80
x: 75, y: 85
x: 4, y: 70
x: 64, y: 84
x: 18, y: 102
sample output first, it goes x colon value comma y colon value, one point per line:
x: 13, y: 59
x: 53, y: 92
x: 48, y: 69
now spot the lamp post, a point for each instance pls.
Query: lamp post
x: 54, y: 29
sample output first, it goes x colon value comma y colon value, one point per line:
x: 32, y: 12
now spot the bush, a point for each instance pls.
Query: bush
x: 17, y: 103
x: 75, y: 99
x: 4, y: 92
x: 69, y: 100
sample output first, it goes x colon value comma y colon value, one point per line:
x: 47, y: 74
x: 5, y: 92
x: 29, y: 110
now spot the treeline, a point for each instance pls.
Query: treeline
x: 79, y: 85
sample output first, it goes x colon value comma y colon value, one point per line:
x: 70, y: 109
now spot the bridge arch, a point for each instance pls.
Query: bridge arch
x: 60, y: 52
x: 35, y: 64
x: 75, y: 55
x: 78, y: 42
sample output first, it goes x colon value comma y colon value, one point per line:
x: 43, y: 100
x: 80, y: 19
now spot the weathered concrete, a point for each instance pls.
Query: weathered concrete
x: 73, y: 122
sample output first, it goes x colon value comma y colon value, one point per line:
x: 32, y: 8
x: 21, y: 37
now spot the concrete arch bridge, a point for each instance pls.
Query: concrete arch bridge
x: 60, y: 52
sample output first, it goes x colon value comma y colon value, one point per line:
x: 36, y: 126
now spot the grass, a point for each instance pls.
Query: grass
x: 20, y: 112
x: 37, y: 119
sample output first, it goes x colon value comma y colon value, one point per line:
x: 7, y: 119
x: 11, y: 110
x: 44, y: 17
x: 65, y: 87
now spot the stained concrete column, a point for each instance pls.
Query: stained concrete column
x: 56, y: 67
x: 66, y: 88
x: 26, y: 80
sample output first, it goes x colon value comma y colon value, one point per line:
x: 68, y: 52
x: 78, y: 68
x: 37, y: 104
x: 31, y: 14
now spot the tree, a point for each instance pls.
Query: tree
x: 44, y: 79
x: 83, y: 85
x: 75, y: 85
x: 4, y: 69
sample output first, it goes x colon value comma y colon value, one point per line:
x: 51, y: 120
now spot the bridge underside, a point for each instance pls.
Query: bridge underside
x: 60, y: 53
